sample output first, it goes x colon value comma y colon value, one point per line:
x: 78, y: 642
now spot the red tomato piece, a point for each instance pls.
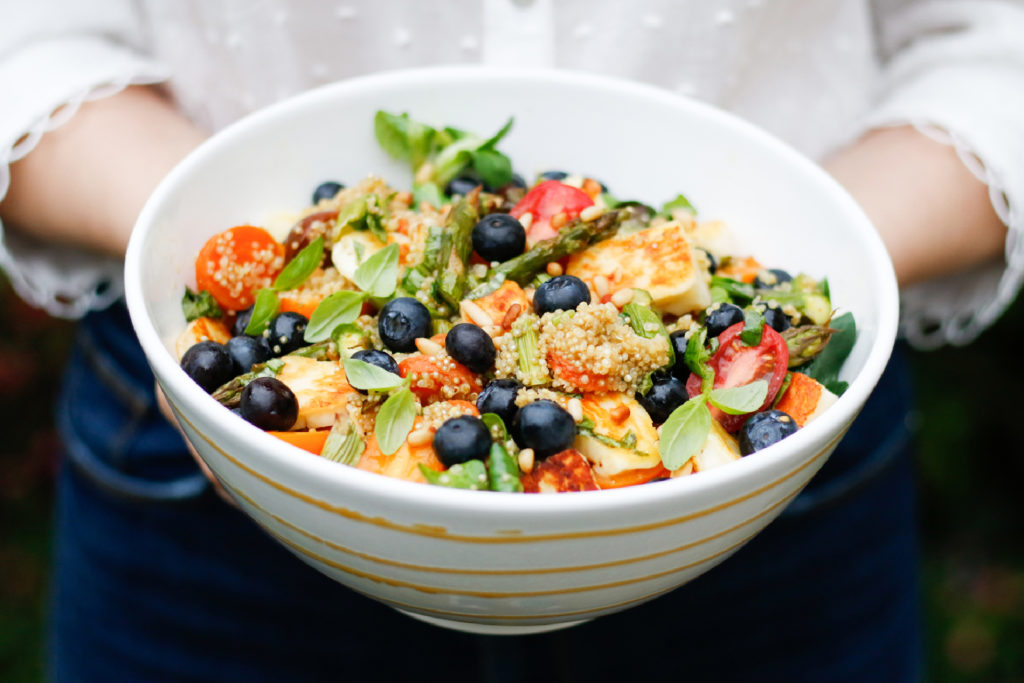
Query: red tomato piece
x: 736, y: 364
x: 235, y: 263
x: 433, y: 380
x: 547, y: 200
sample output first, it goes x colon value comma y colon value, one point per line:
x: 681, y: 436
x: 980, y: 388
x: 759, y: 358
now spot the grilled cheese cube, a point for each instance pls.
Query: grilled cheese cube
x: 714, y: 237
x: 497, y: 303
x: 607, y: 460
x: 719, y: 449
x: 403, y: 463
x: 805, y: 399
x: 320, y: 388
x: 659, y: 259
x: 562, y: 472
x: 201, y: 329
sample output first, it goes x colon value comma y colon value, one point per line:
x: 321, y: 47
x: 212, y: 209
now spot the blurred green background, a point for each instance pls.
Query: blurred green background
x: 971, y: 469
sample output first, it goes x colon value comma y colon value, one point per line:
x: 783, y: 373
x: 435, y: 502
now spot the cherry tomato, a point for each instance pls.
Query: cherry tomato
x: 235, y: 263
x: 736, y: 364
x: 545, y: 201
x: 430, y: 378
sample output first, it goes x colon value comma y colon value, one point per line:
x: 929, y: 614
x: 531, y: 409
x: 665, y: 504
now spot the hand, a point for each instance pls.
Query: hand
x: 168, y: 413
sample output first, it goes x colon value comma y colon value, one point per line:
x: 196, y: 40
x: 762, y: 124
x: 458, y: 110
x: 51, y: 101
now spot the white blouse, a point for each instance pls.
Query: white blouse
x: 816, y: 73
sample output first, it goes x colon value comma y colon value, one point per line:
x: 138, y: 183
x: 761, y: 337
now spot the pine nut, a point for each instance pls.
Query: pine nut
x: 622, y: 297
x: 575, y: 408
x: 526, y: 220
x: 590, y: 213
x: 559, y: 219
x: 554, y: 269
x: 475, y: 314
x: 526, y: 460
x: 685, y: 469
x: 428, y: 347
x: 601, y: 285
x: 510, y: 315
x: 619, y: 414
x: 419, y: 437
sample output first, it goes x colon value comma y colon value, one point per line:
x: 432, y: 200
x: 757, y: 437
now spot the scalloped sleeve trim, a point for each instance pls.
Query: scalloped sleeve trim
x: 44, y: 85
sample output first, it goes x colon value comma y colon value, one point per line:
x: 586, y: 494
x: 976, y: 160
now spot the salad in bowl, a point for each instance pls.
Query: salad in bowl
x: 477, y: 331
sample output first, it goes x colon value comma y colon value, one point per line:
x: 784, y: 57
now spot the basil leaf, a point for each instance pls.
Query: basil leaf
x: 429, y: 193
x: 495, y: 424
x: 337, y: 309
x: 403, y: 138
x: 826, y: 366
x: 494, y: 167
x: 684, y: 433
x: 262, y: 311
x: 496, y: 138
x: 201, y: 305
x: 363, y: 375
x: 740, y: 292
x: 300, y: 267
x: 354, y: 214
x: 679, y: 202
x: 696, y: 358
x: 740, y: 400
x: 753, y: 327
x: 647, y: 323
x: 471, y: 474
x: 395, y: 419
x: 343, y: 444
x: 378, y: 275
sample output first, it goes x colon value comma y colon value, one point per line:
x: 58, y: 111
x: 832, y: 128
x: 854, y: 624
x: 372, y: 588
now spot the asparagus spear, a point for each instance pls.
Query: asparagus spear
x: 503, y: 470
x: 229, y: 394
x: 451, y: 281
x: 806, y: 342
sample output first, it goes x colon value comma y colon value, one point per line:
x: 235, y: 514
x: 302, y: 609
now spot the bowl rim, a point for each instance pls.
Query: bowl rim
x: 309, y: 466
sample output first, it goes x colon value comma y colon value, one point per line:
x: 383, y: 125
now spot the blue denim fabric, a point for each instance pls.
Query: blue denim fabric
x: 156, y: 579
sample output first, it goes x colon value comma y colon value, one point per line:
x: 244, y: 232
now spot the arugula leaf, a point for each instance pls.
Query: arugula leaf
x: 199, y: 305
x: 337, y: 309
x: 740, y: 400
x: 678, y: 202
x: 495, y: 423
x: 684, y: 433
x: 494, y: 167
x: 753, y: 327
x: 395, y: 419
x: 363, y: 375
x: 300, y: 267
x: 378, y: 275
x: 263, y: 310
x: 826, y: 365
x: 429, y: 193
x: 471, y: 474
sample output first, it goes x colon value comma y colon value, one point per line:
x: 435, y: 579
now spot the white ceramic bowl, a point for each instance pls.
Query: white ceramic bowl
x: 504, y: 563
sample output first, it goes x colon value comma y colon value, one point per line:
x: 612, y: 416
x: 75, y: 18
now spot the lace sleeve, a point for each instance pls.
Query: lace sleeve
x: 47, y: 70
x: 955, y: 71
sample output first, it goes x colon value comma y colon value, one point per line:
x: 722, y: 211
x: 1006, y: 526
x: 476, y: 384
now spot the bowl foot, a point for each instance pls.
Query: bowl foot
x: 492, y: 629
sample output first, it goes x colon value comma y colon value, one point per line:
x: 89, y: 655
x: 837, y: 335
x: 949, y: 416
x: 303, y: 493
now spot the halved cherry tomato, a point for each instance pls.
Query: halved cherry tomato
x: 736, y: 364
x: 235, y: 263
x: 547, y: 200
x: 428, y: 377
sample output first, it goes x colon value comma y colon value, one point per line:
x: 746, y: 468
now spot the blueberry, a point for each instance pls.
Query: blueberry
x: 381, y: 359
x: 471, y: 346
x: 764, y: 429
x: 327, y: 190
x: 499, y: 237
x: 401, y: 322
x: 241, y: 322
x: 499, y: 397
x: 286, y: 331
x: 712, y: 261
x: 722, y: 318
x: 461, y: 439
x: 246, y: 351
x: 544, y: 426
x: 667, y: 393
x: 767, y: 279
x: 268, y: 403
x: 461, y: 185
x: 777, y: 320
x: 208, y: 364
x: 562, y: 293
x: 553, y: 175
x: 517, y: 181
x: 679, y: 342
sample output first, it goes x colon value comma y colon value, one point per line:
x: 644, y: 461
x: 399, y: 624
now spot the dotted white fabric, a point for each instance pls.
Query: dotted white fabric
x: 816, y: 74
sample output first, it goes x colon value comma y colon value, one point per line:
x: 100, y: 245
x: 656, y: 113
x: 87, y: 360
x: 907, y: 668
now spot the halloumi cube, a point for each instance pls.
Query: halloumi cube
x: 201, y: 329
x: 320, y: 388
x: 562, y: 472
x: 659, y: 259
x: 608, y: 460
x: 720, y: 448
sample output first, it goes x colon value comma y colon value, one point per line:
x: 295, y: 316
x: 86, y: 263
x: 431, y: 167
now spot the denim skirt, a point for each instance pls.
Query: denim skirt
x: 156, y: 579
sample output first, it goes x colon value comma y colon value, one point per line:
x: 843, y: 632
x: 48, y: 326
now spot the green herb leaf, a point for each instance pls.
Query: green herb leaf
x: 378, y: 275
x: 395, y: 419
x: 363, y: 375
x: 471, y: 475
x: 740, y: 400
x: 503, y: 470
x: 201, y: 305
x: 684, y: 433
x: 262, y: 311
x: 495, y: 424
x: 375, y: 224
x: 647, y: 323
x: 740, y: 292
x: 753, y: 327
x: 337, y: 309
x: 679, y: 202
x: 826, y: 366
x: 494, y: 167
x: 300, y: 267
x: 696, y: 358
x: 492, y: 141
x: 343, y: 444
x: 403, y: 138
x: 429, y: 193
